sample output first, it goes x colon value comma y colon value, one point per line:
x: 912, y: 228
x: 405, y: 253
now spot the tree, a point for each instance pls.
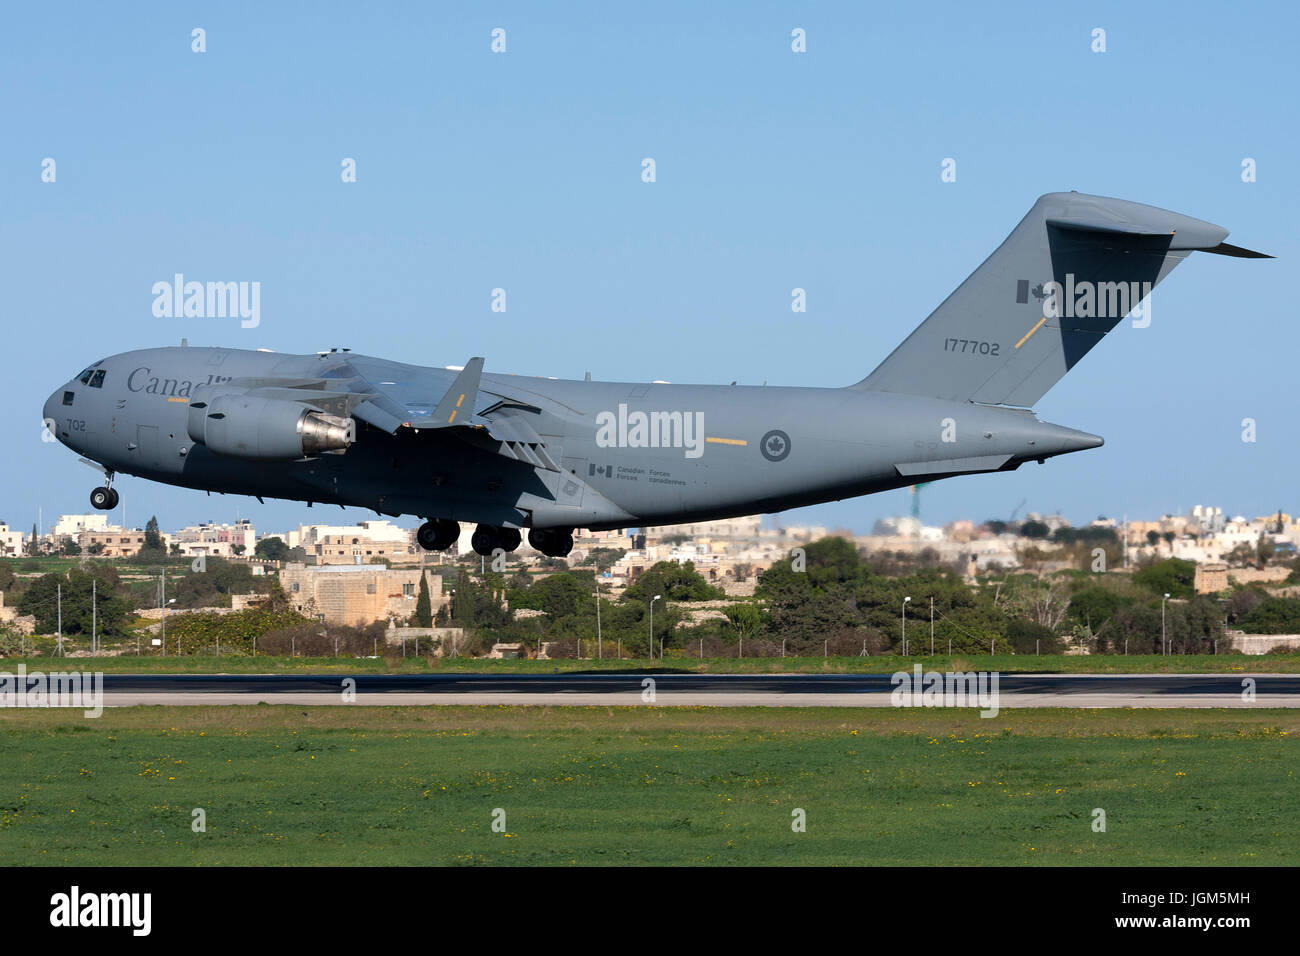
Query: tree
x: 603, y: 558
x: 1172, y: 576
x: 559, y: 595
x: 1242, y: 556
x: 70, y: 547
x: 33, y: 544
x: 1026, y: 637
x: 1094, y: 606
x: 745, y: 618
x: 271, y: 549
x: 1274, y: 615
x: 152, y: 539
x: 423, y: 616
x: 111, y: 605
x: 1034, y: 529
x: 676, y: 582
x: 215, y: 585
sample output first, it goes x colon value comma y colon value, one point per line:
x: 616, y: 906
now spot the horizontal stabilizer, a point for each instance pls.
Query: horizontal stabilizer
x: 1226, y: 249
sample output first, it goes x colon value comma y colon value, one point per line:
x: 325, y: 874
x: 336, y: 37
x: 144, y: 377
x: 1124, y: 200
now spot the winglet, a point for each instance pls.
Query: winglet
x: 459, y: 400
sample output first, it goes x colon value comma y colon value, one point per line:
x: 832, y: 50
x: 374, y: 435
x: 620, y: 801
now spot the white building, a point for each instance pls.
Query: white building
x: 217, y: 540
x: 11, y: 542
x: 69, y: 526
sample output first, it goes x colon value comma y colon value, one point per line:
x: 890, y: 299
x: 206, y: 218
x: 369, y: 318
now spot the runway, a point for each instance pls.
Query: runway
x: 667, y: 688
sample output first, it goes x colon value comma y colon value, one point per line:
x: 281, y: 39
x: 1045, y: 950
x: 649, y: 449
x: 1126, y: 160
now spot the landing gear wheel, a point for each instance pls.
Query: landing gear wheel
x: 103, y: 499
x: 552, y: 542
x: 437, y: 535
x: 484, y: 540
x: 509, y: 538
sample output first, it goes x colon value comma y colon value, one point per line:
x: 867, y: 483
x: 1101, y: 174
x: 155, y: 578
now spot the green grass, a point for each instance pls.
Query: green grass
x: 1003, y: 663
x: 618, y: 786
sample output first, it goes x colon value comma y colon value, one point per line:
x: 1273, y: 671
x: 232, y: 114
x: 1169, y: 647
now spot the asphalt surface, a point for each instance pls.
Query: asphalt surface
x: 687, y: 689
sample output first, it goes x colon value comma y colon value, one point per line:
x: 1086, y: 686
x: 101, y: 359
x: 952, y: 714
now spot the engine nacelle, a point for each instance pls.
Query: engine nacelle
x: 245, y: 426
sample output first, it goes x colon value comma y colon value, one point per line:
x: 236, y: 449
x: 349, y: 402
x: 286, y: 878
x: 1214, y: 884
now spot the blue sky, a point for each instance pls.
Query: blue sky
x: 775, y: 170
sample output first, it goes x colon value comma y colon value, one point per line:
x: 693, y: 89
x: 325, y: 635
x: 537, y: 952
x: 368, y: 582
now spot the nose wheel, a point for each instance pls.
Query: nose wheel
x: 103, y: 499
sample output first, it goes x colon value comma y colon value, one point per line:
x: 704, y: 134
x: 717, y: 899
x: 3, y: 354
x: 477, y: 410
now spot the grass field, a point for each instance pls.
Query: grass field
x: 282, y: 785
x: 1003, y: 663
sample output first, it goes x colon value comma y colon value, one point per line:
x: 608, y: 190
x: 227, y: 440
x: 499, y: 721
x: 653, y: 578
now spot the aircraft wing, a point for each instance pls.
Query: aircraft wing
x: 392, y: 395
x: 405, y: 396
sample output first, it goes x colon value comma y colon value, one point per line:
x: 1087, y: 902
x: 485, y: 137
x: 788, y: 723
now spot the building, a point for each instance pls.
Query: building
x: 217, y: 540
x: 352, y: 544
x: 115, y: 542
x: 11, y: 542
x: 1210, y: 578
x: 69, y: 526
x: 358, y: 594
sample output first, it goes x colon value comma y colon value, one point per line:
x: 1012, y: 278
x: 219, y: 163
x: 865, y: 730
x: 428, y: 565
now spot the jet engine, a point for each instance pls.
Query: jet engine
x: 246, y: 426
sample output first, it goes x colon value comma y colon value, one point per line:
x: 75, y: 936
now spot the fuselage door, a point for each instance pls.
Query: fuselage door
x: 146, y: 440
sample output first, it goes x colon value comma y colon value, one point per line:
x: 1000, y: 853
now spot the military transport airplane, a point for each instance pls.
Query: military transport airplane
x: 511, y: 452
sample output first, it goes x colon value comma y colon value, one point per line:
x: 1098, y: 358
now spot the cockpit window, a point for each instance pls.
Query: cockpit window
x: 68, y: 397
x: 85, y: 378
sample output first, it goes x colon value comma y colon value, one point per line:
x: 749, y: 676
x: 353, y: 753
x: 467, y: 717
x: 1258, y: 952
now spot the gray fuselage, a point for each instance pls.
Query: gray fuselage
x: 629, y: 454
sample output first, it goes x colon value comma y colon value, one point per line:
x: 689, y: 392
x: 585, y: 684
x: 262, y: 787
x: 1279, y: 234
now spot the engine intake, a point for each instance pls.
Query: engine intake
x: 245, y: 426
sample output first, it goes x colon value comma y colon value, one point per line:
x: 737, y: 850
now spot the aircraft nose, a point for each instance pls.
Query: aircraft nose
x: 51, y: 406
x: 50, y: 413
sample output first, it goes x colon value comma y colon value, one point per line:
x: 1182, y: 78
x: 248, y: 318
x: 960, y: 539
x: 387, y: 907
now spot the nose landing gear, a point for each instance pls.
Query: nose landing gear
x: 104, y: 499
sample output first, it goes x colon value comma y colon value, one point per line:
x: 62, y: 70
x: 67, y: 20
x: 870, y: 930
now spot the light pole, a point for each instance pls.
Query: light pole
x: 1163, y: 651
x: 652, y: 624
x: 600, y: 653
x: 905, y: 600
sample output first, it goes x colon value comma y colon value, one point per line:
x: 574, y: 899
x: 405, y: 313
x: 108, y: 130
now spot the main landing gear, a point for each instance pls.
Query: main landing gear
x: 552, y: 542
x: 441, y: 533
x: 487, y: 538
x: 438, y: 534
x: 104, y: 499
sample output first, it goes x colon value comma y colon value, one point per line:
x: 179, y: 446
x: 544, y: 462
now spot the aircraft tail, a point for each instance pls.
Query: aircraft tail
x: 1067, y: 274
